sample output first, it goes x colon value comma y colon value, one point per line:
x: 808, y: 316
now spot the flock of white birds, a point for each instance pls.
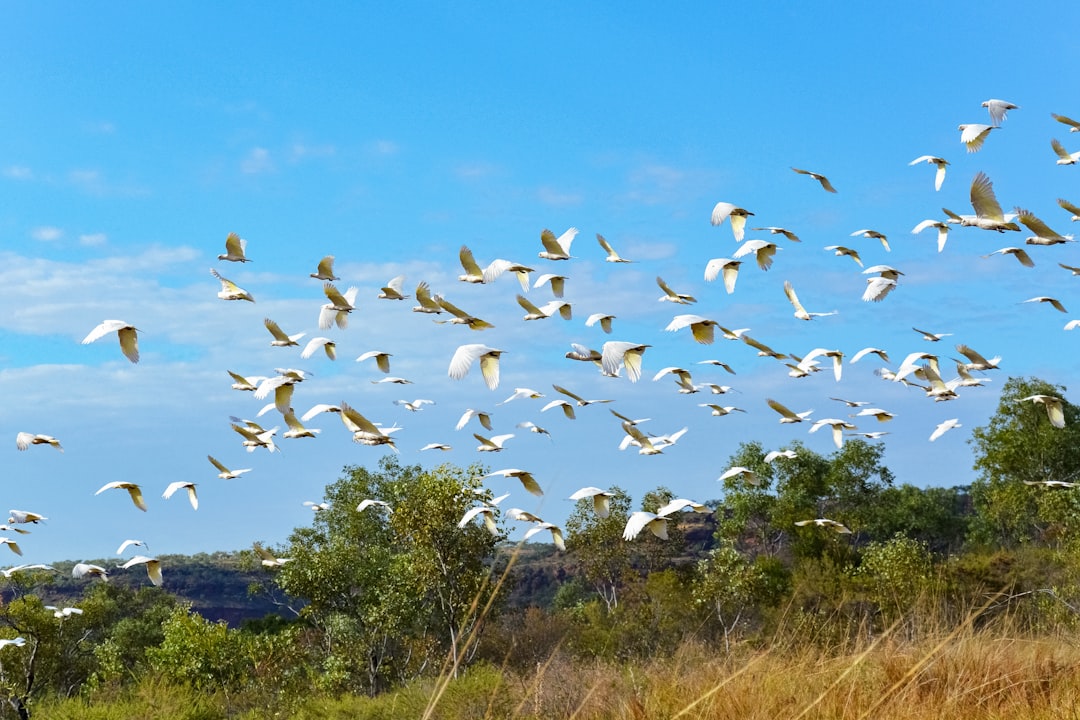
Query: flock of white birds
x: 542, y: 297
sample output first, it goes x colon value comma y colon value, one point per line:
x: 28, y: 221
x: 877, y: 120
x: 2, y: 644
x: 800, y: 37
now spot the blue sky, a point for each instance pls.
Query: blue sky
x: 132, y: 143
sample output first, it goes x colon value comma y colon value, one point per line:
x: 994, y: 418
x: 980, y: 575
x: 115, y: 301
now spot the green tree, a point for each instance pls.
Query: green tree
x: 898, y: 573
x: 733, y: 589
x: 1020, y: 445
x: 391, y: 592
x: 597, y: 544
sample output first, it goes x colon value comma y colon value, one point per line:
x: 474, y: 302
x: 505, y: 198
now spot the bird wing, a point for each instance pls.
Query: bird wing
x: 780, y: 408
x: 463, y: 358
x: 489, y: 369
x: 136, y: 495
x: 528, y: 306
x: 637, y: 522
x: 326, y: 267
x: 235, y: 245
x: 1034, y: 224
x: 102, y: 330
x: 983, y: 199
x: 468, y: 262
x: 1059, y: 149
x: 793, y: 298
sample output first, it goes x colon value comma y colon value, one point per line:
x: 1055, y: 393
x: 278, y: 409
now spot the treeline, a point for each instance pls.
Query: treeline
x: 374, y: 600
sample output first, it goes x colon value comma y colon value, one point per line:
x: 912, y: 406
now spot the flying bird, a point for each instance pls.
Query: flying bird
x: 825, y: 523
x: 1043, y: 234
x: 414, y: 405
x: 941, y: 163
x: 492, y: 444
x: 482, y: 417
x: 1019, y: 253
x: 24, y: 440
x: 129, y: 543
x: 1055, y: 408
x: 612, y: 256
x: 394, y: 290
x: 464, y: 357
x: 557, y: 282
x: 461, y: 317
x: 615, y: 353
x: 998, y: 109
x: 527, y: 480
x: 382, y: 359
x: 700, y: 328
x: 942, y: 228
x: 313, y: 345
x: 235, y: 246
x: 867, y: 351
x: 931, y: 337
x: 267, y: 558
x: 820, y: 178
x: 182, y: 485
x: 762, y: 250
x: 787, y: 416
x: 1064, y: 156
x: 24, y: 516
x: 230, y: 290
x: 800, y: 311
x: 773, y: 230
x: 743, y: 473
x: 428, y: 304
x: 973, y: 135
x: 557, y: 248
x: 338, y: 309
x: 133, y: 489
x: 774, y: 455
x: 1074, y: 126
x: 364, y: 431
x: 280, y: 338
x: 838, y: 427
x: 867, y: 233
x: 975, y: 360
x: 580, y: 401
x: 842, y: 250
x: 486, y: 513
x: 475, y: 275
x: 672, y: 296
x: 127, y: 333
x: 296, y: 427
x: 601, y: 499
x: 643, y: 520
x: 523, y: 394
x: 153, y: 567
x: 726, y: 211
x: 944, y: 427
x: 604, y: 319
x: 325, y: 270
x: 1046, y: 299
x: 726, y: 266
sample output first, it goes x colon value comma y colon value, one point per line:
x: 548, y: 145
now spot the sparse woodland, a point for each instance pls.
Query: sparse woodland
x: 958, y: 600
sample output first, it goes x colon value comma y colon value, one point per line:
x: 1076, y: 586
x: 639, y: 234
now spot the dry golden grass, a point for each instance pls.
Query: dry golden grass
x: 969, y: 676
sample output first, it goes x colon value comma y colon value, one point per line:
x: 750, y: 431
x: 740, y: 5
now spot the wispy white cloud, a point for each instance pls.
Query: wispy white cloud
x: 93, y: 239
x: 94, y: 182
x: 557, y: 198
x: 303, y: 151
x: 101, y: 128
x: 653, y: 183
x: 257, y: 162
x: 18, y: 172
x: 477, y: 170
x: 385, y: 147
x: 46, y: 233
